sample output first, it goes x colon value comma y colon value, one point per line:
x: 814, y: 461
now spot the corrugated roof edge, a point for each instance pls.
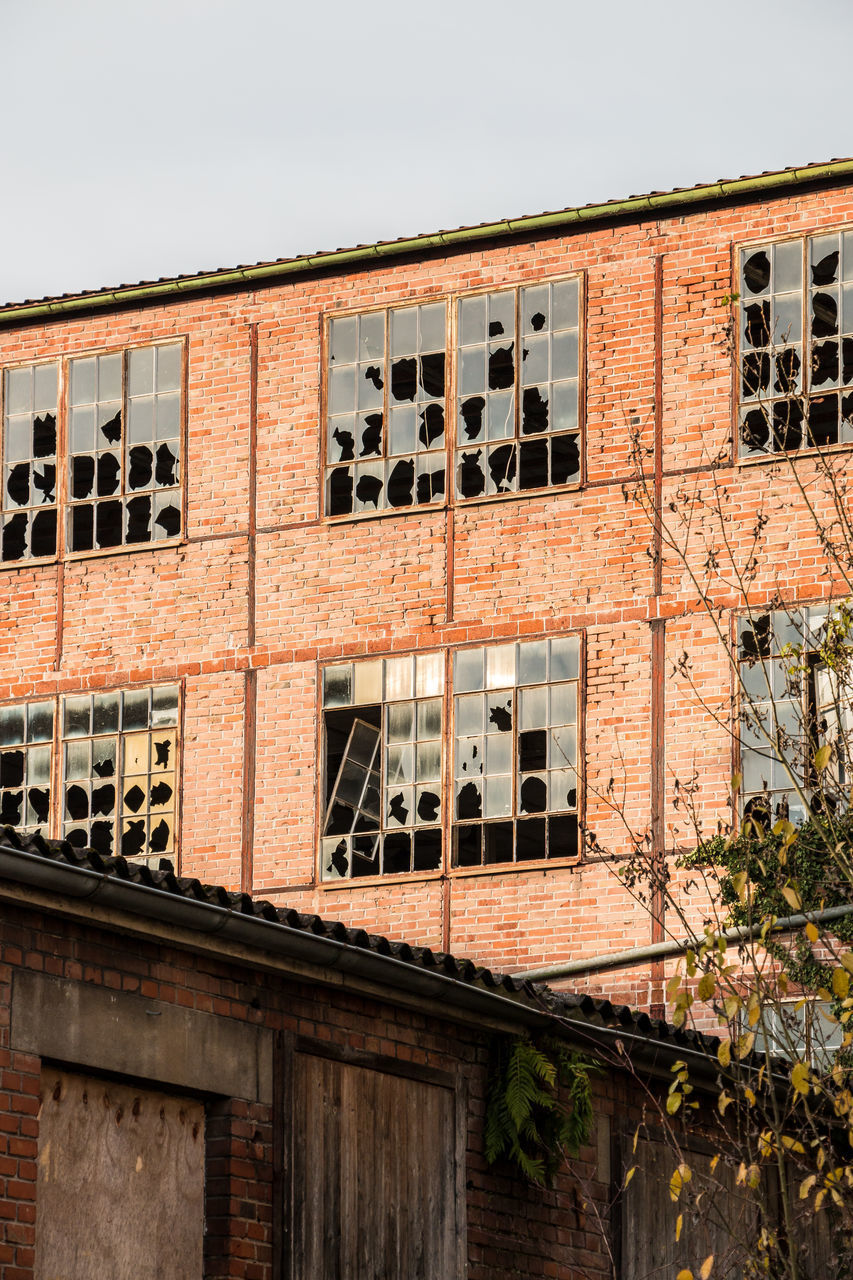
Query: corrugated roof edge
x: 83, y: 874
x: 223, y: 278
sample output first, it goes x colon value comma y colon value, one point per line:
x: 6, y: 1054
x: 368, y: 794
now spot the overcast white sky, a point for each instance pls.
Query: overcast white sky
x: 148, y: 139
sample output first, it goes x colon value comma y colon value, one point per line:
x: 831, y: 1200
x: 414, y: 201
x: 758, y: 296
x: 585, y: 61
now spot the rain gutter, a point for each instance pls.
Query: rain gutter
x: 273, y: 937
x: 636, y: 206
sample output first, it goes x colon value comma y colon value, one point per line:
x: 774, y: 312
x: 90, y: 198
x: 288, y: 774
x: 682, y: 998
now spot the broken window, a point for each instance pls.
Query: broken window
x: 796, y: 344
x: 385, y: 412
x: 122, y: 482
x: 517, y: 421
x: 26, y: 745
x: 516, y: 752
x: 29, y: 502
x: 383, y: 733
x: 119, y: 775
x: 792, y: 703
x: 124, y: 448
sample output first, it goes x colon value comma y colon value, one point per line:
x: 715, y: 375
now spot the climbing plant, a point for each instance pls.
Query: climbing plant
x: 527, y: 1122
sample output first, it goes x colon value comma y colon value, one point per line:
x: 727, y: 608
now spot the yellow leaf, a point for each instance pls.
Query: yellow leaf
x: 847, y: 961
x: 706, y: 1267
x: 739, y: 883
x: 812, y: 932
x: 823, y: 994
x: 800, y: 1078
x: 823, y: 756
x: 724, y: 1053
x: 679, y: 1223
x: 840, y: 982
x: 636, y: 1137
x: 724, y: 1101
x: 732, y: 1005
x: 629, y: 1175
x: 749, y: 1095
x: 818, y: 1200
x: 745, y: 1043
x: 737, y: 779
x: 672, y: 986
x: 792, y: 898
x: 685, y: 1274
x: 673, y: 1102
x: 753, y: 1176
x: 806, y: 1186
x: 793, y: 1145
x: 707, y: 986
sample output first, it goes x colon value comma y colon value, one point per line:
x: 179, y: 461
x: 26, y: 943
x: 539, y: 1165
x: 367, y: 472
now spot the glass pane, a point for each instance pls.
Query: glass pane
x: 337, y: 686
x: 135, y: 709
x: 398, y: 678
x: 19, y: 390
x: 429, y: 719
x: 400, y: 720
x: 404, y: 331
x: 499, y: 753
x: 472, y: 321
x: 140, y: 366
x: 343, y: 340
x: 499, y: 712
x: 77, y: 760
x: 38, y: 765
x: 44, y: 393
x: 564, y: 305
x: 500, y: 666
x: 564, y: 704
x: 371, y: 335
x: 788, y: 266
x: 469, y: 714
x: 77, y: 721
x: 169, y: 368
x: 399, y: 764
x: 105, y: 714
x: 109, y: 377
x: 164, y: 706
x: 534, y: 708
x: 565, y: 656
x: 11, y: 726
x: 498, y: 797
x: 433, y: 322
x: 83, y: 381
x: 532, y: 662
x: 40, y: 721
x: 368, y: 683
x: 428, y: 761
x: 562, y: 748
x: 468, y: 670
x: 429, y: 674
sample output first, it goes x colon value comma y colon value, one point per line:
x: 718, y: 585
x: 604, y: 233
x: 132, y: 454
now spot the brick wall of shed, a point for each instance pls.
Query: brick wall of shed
x: 513, y: 1229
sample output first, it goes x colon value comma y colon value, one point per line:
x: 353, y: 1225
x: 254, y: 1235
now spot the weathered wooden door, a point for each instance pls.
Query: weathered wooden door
x: 376, y: 1177
x: 722, y: 1223
x: 120, y: 1190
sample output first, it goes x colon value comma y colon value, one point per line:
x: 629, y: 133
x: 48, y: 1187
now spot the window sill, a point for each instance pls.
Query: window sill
x: 460, y: 504
x: 789, y: 455
x: 373, y: 882
x: 73, y: 557
x: 513, y: 868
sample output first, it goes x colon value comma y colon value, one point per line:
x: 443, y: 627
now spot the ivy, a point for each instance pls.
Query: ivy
x: 772, y: 861
x: 526, y: 1122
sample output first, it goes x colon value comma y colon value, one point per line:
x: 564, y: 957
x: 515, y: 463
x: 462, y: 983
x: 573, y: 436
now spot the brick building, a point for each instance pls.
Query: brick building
x: 327, y: 579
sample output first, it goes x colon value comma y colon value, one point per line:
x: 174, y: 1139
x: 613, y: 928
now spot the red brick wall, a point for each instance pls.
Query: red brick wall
x: 518, y: 567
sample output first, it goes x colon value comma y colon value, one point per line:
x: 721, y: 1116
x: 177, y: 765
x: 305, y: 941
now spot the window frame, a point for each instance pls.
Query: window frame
x: 64, y: 503
x: 448, y: 824
x: 451, y: 299
x: 807, y: 699
x: 741, y: 405
x: 53, y: 828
